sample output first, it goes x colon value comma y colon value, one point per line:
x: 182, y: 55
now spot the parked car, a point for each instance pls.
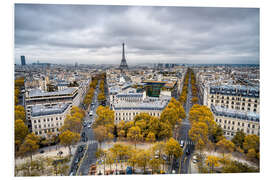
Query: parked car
x: 41, y: 151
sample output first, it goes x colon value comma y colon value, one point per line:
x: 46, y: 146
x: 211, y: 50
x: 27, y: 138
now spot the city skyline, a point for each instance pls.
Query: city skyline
x: 90, y: 34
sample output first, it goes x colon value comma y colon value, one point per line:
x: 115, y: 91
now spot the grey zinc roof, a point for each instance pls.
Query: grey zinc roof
x: 246, y: 115
x: 39, y: 93
x: 156, y: 105
x: 40, y: 110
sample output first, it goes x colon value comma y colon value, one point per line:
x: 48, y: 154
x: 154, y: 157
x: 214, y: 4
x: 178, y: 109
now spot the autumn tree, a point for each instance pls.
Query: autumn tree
x: 134, y: 134
x: 225, y: 146
x: 150, y: 137
x: 252, y: 146
x: 173, y: 149
x: 212, y: 162
x: 198, y: 133
x: 143, y: 158
x: 101, y: 134
x: 72, y: 123
x: 30, y: 145
x: 21, y: 132
x: 239, y: 139
x: 19, y: 113
x: 105, y: 116
x: 68, y: 138
x: 142, y: 116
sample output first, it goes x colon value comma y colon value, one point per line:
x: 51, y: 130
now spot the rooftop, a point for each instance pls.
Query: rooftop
x: 39, y: 93
x: 40, y: 110
x: 245, y: 115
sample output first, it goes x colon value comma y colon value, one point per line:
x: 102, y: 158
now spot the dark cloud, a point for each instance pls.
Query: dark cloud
x: 93, y: 34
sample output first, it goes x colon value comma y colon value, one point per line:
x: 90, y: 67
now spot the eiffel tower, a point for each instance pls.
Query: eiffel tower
x: 123, y: 64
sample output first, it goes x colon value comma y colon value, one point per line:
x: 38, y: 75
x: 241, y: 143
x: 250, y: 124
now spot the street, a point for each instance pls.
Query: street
x: 87, y: 136
x: 188, y: 145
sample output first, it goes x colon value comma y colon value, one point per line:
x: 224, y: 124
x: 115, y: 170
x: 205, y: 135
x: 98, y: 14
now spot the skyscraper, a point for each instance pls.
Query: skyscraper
x: 123, y: 64
x: 23, y: 60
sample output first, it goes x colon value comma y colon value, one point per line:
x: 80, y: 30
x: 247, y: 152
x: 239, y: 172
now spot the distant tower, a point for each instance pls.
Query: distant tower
x: 123, y: 64
x: 23, y: 60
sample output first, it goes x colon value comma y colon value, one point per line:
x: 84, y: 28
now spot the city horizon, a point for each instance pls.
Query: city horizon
x: 180, y: 35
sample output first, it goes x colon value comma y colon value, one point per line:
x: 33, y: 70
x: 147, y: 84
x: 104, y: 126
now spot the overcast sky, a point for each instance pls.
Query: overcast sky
x: 90, y: 34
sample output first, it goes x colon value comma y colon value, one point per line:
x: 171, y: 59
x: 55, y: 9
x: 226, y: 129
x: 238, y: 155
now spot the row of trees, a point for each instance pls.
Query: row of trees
x: 143, y: 128
x: 101, y: 95
x: 205, y: 133
x: 183, y: 95
x: 156, y: 156
x: 70, y: 131
x: 194, y: 89
x: 103, y: 126
x: 89, y: 96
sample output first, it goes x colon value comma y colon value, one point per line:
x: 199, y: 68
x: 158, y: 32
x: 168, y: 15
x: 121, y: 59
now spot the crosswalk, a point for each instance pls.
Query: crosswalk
x: 188, y: 142
x: 92, y: 142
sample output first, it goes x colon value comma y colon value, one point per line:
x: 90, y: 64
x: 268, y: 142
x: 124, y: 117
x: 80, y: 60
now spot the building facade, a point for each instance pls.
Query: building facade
x: 48, y: 119
x: 49, y: 99
x: 126, y: 111
x: 234, y: 97
x: 232, y: 121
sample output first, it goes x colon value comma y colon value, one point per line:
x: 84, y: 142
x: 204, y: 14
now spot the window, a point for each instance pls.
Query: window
x: 36, y: 126
x: 248, y: 131
x: 35, y: 121
x: 44, y: 120
x: 255, y: 105
x: 233, y: 122
x: 244, y: 99
x: 248, y: 104
x: 224, y: 127
x: 243, y: 108
x: 254, y: 110
x: 39, y: 121
x: 243, y: 124
x: 39, y: 126
x: 249, y: 125
x: 225, y: 121
x: 60, y: 118
x: 248, y: 109
x: 232, y: 128
x: 253, y: 126
x: 36, y: 133
x: 48, y: 119
x: 238, y: 123
x: 51, y: 119
x: 220, y: 120
x: 44, y: 125
x: 232, y: 134
x: 229, y: 122
x: 56, y: 118
x: 232, y: 102
x: 40, y: 132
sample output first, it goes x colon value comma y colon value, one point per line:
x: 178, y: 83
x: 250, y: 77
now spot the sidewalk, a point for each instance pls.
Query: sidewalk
x: 52, y: 152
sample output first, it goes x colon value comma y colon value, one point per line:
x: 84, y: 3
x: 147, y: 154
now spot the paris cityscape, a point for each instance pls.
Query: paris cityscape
x: 120, y: 90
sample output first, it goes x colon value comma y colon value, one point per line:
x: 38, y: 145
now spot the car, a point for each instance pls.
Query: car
x: 182, y: 143
x: 89, y: 126
x: 91, y: 113
x: 187, y: 152
x: 41, y: 151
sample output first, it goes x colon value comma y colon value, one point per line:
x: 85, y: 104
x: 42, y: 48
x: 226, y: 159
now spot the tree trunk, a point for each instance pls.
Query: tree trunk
x: 69, y: 148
